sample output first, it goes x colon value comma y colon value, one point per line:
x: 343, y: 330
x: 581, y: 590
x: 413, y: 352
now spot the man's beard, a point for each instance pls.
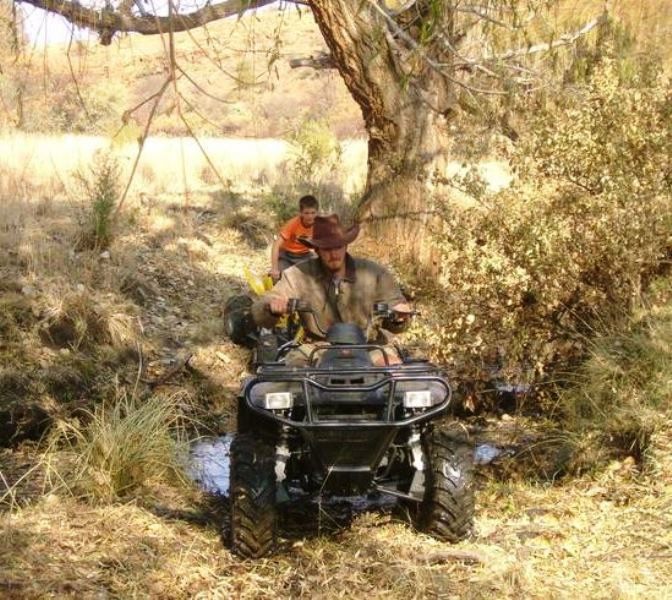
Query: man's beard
x: 334, y: 266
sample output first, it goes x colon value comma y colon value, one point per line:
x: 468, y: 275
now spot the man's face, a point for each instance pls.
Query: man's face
x: 333, y: 258
x: 308, y: 216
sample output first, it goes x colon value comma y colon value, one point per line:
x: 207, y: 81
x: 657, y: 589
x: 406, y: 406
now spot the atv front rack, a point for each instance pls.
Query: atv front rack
x: 359, y: 397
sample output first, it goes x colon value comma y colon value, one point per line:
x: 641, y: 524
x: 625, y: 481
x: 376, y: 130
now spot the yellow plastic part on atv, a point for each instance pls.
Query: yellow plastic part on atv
x: 261, y: 285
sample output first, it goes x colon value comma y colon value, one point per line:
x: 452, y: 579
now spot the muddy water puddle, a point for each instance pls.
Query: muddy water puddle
x: 209, y: 468
x: 209, y: 464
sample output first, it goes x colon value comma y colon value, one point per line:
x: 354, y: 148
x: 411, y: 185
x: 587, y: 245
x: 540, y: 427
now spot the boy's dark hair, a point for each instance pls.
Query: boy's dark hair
x: 308, y: 201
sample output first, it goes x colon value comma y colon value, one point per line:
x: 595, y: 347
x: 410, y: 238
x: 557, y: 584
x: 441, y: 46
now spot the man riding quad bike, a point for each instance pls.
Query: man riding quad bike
x: 341, y: 415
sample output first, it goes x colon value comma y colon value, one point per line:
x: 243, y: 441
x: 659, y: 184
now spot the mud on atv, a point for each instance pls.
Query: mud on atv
x: 342, y: 427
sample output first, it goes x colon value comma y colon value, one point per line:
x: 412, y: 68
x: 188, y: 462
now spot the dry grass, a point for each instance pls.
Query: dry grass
x: 120, y: 447
x: 42, y: 167
x: 622, y: 391
x: 175, y: 258
x: 73, y: 318
x: 46, y: 163
x: 605, y: 537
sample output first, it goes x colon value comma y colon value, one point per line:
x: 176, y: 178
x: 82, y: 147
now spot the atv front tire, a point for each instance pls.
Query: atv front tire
x: 253, y: 510
x: 447, y: 510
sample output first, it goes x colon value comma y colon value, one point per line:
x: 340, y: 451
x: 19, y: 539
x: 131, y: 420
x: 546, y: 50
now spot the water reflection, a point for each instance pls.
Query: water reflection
x: 485, y: 454
x: 209, y: 466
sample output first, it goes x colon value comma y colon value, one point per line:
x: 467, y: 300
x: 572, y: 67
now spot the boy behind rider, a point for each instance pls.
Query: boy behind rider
x: 287, y: 250
x: 339, y: 288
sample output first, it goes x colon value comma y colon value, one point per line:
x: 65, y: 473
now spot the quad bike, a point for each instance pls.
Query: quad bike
x: 342, y: 426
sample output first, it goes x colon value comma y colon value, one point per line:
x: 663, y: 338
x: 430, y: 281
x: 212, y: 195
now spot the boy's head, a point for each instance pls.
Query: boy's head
x: 308, y: 206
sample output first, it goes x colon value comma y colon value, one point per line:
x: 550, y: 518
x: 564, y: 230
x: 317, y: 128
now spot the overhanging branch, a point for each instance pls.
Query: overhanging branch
x: 564, y: 40
x: 321, y: 61
x: 108, y: 21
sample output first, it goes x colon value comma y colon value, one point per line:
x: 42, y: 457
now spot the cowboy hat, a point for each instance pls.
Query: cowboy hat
x: 329, y: 233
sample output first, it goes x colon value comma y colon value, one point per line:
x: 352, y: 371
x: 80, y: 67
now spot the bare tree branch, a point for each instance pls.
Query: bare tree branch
x: 74, y: 79
x: 564, y: 40
x: 321, y: 61
x: 141, y: 144
x: 436, y: 66
x: 107, y: 22
x: 128, y: 112
x: 193, y: 135
x: 190, y: 105
x: 200, y: 88
x: 479, y: 64
x: 215, y: 63
x: 482, y: 13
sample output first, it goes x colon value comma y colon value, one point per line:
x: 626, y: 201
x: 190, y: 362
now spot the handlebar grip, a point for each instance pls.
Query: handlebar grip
x: 298, y: 305
x: 293, y: 305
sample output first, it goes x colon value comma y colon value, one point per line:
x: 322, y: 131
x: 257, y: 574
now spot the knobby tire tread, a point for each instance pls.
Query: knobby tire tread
x: 447, y: 511
x: 253, y: 510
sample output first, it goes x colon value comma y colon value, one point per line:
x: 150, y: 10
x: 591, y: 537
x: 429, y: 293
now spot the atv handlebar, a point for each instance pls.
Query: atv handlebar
x: 381, y: 311
x: 298, y: 305
x: 294, y: 305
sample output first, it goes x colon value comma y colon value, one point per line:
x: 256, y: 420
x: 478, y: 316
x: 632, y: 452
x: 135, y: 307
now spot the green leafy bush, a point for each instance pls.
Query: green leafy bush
x: 316, y: 152
x: 314, y: 161
x: 92, y: 107
x: 281, y: 202
x: 626, y: 376
x: 620, y: 395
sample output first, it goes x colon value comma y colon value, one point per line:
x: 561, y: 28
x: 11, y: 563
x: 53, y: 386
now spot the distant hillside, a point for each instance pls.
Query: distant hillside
x: 236, y: 79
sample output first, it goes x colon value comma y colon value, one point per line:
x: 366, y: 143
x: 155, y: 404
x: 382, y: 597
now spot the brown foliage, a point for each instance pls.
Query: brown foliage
x: 528, y: 273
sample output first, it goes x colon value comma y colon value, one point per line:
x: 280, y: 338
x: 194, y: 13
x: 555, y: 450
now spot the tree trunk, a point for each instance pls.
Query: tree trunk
x: 404, y: 102
x: 397, y: 204
x: 20, y: 84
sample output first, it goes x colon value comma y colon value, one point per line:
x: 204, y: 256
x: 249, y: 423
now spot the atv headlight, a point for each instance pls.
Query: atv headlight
x: 275, y: 395
x: 422, y: 393
x: 419, y: 399
x: 278, y: 401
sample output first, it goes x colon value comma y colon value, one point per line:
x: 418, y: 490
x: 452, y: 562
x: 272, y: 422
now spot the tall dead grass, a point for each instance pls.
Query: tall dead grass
x: 621, y: 396
x: 120, y: 447
x: 42, y: 166
x: 167, y: 165
x: 71, y: 318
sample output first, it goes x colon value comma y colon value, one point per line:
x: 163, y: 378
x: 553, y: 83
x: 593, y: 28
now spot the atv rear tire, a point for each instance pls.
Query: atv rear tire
x: 253, y: 510
x: 447, y: 511
x: 238, y: 322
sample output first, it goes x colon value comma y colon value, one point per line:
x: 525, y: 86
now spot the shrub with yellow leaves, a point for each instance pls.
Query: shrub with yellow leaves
x: 587, y: 225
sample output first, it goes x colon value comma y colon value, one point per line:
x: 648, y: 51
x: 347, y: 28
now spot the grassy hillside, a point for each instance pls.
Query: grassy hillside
x: 237, y: 80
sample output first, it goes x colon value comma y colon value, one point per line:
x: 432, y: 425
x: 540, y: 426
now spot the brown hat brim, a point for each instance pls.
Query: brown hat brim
x: 333, y: 241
